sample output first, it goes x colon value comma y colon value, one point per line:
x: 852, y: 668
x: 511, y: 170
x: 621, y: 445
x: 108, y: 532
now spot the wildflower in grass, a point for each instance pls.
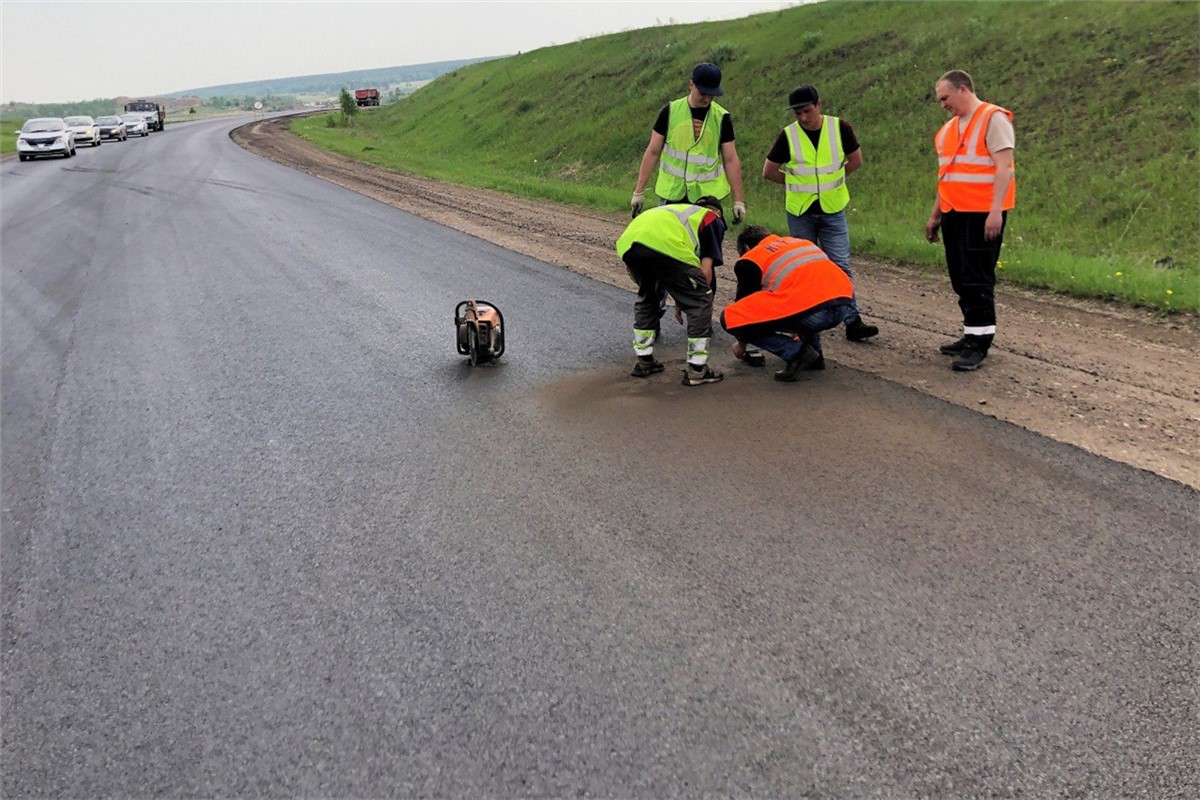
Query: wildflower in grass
x: 1119, y: 274
x: 999, y: 265
x: 1170, y: 292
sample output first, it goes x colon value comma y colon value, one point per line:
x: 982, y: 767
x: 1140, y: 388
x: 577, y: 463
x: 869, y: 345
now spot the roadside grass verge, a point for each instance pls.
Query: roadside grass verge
x: 9, y: 126
x: 1106, y: 99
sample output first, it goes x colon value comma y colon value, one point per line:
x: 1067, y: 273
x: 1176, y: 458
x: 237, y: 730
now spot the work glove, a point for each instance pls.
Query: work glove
x: 739, y: 212
x: 636, y: 204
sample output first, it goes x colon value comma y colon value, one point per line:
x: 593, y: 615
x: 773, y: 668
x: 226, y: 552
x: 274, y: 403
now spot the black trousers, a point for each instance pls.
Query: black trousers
x: 971, y: 260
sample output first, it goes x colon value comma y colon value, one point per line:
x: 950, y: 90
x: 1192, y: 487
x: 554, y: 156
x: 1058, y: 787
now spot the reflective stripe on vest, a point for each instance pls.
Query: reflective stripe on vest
x: 816, y: 173
x: 786, y: 262
x: 966, y: 170
x: 673, y: 230
x: 691, y: 166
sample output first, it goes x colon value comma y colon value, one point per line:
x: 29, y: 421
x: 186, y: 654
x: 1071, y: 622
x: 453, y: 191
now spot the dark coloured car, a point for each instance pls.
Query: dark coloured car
x: 112, y: 128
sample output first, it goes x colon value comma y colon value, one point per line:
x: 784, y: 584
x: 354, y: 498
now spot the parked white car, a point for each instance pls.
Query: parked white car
x: 45, y: 136
x: 135, y: 124
x: 86, y: 130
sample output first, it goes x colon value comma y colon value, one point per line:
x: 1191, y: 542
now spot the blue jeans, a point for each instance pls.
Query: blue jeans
x: 785, y: 338
x: 831, y: 233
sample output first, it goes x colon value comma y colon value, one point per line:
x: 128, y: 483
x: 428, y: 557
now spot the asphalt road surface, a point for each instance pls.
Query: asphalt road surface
x: 265, y: 533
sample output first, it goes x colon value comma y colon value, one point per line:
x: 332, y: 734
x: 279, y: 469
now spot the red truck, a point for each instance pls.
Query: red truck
x: 366, y: 97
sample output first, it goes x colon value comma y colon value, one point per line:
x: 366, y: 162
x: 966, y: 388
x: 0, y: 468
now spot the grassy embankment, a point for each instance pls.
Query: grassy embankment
x: 8, y: 134
x: 1106, y: 99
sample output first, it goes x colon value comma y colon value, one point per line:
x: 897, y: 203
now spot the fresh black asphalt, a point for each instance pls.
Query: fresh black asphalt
x: 266, y: 534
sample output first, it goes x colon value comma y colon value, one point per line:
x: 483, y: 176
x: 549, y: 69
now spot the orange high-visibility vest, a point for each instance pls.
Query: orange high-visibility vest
x: 797, y: 277
x: 966, y: 171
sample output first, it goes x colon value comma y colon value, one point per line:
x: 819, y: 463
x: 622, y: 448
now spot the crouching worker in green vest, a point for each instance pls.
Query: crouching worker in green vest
x: 675, y: 248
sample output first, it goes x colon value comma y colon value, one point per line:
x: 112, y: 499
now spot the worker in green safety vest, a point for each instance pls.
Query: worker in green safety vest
x: 674, y: 248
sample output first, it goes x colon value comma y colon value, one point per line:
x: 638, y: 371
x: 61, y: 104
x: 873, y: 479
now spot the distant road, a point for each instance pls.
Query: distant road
x: 265, y: 533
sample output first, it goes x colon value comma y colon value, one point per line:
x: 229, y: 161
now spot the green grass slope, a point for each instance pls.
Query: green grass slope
x: 1105, y: 97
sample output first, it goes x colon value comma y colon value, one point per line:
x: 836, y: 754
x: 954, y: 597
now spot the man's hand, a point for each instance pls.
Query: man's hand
x: 993, y: 225
x: 678, y: 315
x: 739, y: 212
x: 636, y: 204
x: 739, y: 350
x: 931, y: 229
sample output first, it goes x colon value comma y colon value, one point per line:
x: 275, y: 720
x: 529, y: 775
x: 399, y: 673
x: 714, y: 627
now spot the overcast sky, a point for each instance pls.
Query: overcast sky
x: 57, y: 52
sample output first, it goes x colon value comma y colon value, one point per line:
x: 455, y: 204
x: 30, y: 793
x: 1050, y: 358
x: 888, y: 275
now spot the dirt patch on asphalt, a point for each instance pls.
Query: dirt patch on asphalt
x: 1117, y: 382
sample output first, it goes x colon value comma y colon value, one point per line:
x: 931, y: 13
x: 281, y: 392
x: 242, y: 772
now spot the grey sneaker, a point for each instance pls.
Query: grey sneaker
x: 706, y: 374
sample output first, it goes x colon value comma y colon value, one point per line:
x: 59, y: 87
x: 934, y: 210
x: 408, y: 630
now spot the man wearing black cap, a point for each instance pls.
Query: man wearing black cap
x: 812, y: 158
x: 693, y: 145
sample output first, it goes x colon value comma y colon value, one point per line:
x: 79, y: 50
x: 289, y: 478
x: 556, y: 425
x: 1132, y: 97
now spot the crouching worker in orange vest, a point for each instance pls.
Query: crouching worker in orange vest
x: 674, y: 248
x: 788, y: 291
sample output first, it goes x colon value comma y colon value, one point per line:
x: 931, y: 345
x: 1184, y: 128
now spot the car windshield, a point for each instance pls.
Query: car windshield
x: 108, y: 121
x: 132, y: 118
x: 139, y: 107
x: 42, y: 126
x: 79, y: 120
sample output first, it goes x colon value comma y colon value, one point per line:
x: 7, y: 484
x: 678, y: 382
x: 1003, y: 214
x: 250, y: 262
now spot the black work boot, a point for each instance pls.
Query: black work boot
x: 969, y: 359
x: 973, y: 353
x: 954, y: 348
x: 803, y: 360
x: 859, y: 331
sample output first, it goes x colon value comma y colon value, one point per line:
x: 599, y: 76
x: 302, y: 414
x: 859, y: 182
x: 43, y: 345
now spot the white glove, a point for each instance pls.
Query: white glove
x: 739, y: 212
x: 637, y: 203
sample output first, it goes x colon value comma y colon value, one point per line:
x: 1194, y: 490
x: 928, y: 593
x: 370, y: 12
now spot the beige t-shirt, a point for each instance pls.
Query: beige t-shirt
x: 1000, y: 133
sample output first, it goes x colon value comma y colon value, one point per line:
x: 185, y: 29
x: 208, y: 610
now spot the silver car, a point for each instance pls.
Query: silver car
x: 112, y: 128
x: 135, y: 124
x: 45, y: 136
x: 85, y: 129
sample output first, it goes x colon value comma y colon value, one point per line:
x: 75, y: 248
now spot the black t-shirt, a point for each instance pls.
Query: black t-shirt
x: 781, y: 152
x: 712, y: 234
x: 749, y: 278
x: 660, y: 125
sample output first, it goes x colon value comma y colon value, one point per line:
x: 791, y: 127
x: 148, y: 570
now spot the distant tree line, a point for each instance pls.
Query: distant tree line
x: 92, y: 108
x: 111, y: 105
x: 329, y: 85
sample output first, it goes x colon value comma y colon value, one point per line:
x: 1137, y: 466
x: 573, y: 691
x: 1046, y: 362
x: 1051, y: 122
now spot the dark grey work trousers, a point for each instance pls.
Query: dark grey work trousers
x: 655, y: 273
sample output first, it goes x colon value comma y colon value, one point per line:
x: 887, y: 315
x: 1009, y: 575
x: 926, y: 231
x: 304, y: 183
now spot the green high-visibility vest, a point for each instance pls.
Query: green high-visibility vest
x: 690, y: 166
x: 816, y: 172
x: 673, y: 230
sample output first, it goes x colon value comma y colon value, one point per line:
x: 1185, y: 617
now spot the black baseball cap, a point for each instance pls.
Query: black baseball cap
x: 712, y: 204
x: 707, y: 78
x: 803, y: 96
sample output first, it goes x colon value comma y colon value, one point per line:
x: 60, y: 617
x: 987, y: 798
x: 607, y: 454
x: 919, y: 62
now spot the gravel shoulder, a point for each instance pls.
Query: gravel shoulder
x: 1111, y: 380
